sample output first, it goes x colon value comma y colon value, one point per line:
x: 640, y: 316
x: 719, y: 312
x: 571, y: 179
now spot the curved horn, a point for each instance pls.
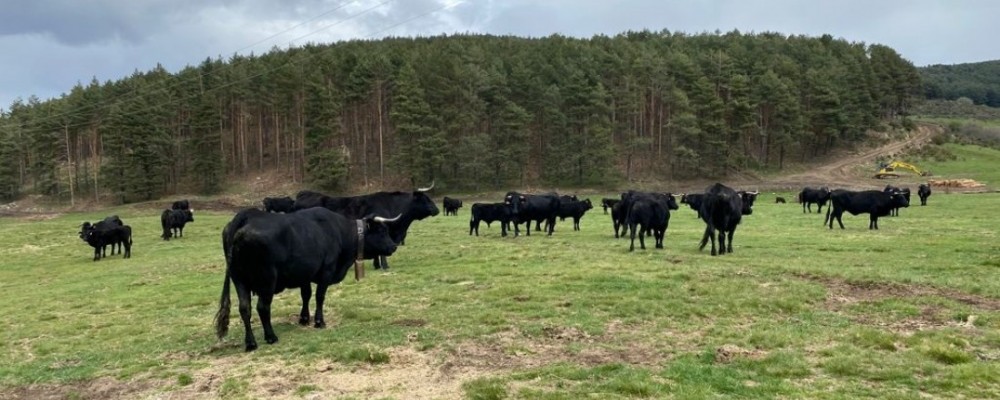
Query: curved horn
x: 754, y: 193
x: 384, y: 220
x: 426, y: 188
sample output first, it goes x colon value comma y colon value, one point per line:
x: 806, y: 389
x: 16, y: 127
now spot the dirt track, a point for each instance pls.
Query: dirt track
x: 841, y: 173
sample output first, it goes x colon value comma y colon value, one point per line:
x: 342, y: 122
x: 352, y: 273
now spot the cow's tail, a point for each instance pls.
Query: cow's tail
x: 222, y: 317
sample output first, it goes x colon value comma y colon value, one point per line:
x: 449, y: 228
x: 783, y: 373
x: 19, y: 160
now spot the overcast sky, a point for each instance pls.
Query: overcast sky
x: 47, y: 46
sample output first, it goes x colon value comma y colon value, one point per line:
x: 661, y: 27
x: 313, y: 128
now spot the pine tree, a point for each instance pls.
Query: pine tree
x: 422, y: 142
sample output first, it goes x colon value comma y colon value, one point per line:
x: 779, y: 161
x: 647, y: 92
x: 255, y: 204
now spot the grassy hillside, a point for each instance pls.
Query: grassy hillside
x: 798, y: 311
x: 973, y: 162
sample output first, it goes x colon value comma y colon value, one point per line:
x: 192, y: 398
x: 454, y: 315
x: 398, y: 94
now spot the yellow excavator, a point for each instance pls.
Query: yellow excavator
x: 887, y: 170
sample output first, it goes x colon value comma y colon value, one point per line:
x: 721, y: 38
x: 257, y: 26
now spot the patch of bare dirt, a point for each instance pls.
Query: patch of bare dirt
x: 842, y: 294
x: 730, y: 352
x: 100, y: 388
x: 409, y: 373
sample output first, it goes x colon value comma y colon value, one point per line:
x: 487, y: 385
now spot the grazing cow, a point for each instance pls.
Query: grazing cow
x: 173, y: 222
x: 809, y: 196
x: 607, y: 203
x: 279, y: 204
x: 180, y: 205
x: 904, y: 191
x: 722, y: 209
x: 573, y: 209
x: 268, y: 253
x: 526, y: 208
x: 488, y: 213
x: 100, y: 235
x: 105, y: 224
x: 451, y: 205
x: 924, y: 191
x: 411, y: 206
x: 694, y: 201
x: 873, y: 202
x: 779, y: 200
x: 648, y: 213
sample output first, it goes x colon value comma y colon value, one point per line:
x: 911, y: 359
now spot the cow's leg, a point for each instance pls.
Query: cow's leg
x: 551, y: 222
x: 730, y: 244
x: 631, y: 228
x: 473, y: 224
x: 840, y: 220
x: 97, y: 253
x: 722, y: 241
x: 306, y: 292
x: 264, y: 312
x: 243, y: 295
x: 128, y: 248
x: 873, y: 221
x: 320, y: 298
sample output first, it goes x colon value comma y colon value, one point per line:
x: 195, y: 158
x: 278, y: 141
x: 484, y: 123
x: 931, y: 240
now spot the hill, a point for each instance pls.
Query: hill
x: 979, y: 82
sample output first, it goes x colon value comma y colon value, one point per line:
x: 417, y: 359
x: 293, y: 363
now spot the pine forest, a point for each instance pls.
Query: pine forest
x: 469, y: 112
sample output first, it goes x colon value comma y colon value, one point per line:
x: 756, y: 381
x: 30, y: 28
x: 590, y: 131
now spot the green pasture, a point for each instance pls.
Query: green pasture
x: 797, y: 311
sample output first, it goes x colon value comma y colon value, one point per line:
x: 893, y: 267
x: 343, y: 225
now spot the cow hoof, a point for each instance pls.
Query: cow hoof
x: 303, y: 321
x: 320, y: 324
x: 271, y: 340
x: 251, y: 346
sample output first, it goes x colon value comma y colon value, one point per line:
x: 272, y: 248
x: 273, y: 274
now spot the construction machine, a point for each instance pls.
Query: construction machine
x: 887, y: 170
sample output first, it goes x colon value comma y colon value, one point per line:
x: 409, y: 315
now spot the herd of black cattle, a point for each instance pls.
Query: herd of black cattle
x: 316, y: 238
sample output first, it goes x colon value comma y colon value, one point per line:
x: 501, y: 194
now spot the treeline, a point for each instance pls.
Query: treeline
x: 466, y: 111
x: 979, y: 82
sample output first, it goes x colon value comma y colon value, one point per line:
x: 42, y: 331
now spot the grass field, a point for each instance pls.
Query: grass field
x: 798, y: 311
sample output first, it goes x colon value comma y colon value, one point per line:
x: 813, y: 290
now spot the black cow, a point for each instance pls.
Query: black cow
x: 411, y: 206
x: 618, y: 219
x: 451, y: 205
x: 309, y: 199
x: 279, y: 204
x: 268, y: 253
x: 648, y: 213
x: 526, y: 208
x: 779, y: 200
x: 173, y: 222
x: 488, y: 213
x: 722, y: 209
x: 607, y: 203
x: 873, y: 202
x: 573, y: 209
x: 694, y: 201
x: 181, y: 205
x: 105, y: 224
x: 903, y: 191
x: 924, y: 191
x: 111, y: 231
x: 809, y: 196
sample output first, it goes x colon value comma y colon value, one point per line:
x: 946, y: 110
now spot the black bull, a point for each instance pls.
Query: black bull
x: 875, y: 203
x: 809, y: 196
x: 409, y: 206
x: 268, y: 253
x: 526, y: 208
x: 722, y: 209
